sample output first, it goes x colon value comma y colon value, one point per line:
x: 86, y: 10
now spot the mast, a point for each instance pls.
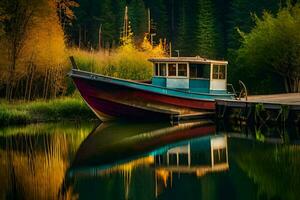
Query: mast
x: 149, y: 22
x: 125, y: 28
x: 99, y: 37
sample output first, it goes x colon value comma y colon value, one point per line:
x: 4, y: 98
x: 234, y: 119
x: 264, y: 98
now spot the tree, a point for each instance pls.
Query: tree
x: 274, y: 44
x: 65, y: 12
x: 138, y: 18
x: 239, y: 16
x: 35, y: 50
x: 19, y: 15
x: 207, y: 31
x: 111, y: 19
x: 118, y: 7
x: 158, y: 17
x: 221, y: 9
x: 2, y: 19
x: 180, y: 37
x: 45, y: 52
x: 186, y: 29
x: 107, y: 21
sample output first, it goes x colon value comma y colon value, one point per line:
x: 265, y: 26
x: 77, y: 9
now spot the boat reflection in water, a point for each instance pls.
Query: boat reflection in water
x: 184, y: 158
x: 148, y: 159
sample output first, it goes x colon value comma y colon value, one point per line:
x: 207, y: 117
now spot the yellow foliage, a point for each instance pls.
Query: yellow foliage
x: 159, y: 50
x: 46, y: 42
x: 125, y: 62
x: 146, y: 45
x: 154, y: 51
x: 127, y: 40
x: 43, y: 61
x: 42, y: 57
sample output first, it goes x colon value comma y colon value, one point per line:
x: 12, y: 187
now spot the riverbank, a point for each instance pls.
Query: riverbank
x: 61, y: 109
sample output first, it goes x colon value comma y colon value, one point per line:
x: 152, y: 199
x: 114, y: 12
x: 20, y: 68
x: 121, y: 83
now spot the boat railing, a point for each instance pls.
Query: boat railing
x: 243, y: 93
x: 231, y: 89
x: 74, y: 65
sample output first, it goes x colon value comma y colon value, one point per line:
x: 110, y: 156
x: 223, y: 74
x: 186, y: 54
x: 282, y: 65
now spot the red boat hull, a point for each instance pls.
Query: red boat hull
x: 109, y: 100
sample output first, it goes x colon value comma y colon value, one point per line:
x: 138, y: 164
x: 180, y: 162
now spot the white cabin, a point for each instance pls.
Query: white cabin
x: 190, y: 73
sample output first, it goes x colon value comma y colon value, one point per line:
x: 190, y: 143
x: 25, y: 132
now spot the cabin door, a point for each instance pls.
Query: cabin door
x: 218, y: 77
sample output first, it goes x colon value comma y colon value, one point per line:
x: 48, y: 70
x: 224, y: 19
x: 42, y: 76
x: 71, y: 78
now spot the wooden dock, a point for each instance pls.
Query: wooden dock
x: 292, y: 99
x: 276, y: 107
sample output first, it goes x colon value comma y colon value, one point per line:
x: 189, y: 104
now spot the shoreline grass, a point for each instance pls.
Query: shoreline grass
x: 61, y: 109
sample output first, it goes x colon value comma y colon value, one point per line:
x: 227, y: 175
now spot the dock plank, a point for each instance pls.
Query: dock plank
x: 274, y: 106
x: 289, y: 98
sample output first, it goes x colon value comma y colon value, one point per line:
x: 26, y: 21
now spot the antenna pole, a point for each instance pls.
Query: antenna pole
x: 99, y: 37
x: 125, y: 33
x: 170, y: 49
x: 149, y: 21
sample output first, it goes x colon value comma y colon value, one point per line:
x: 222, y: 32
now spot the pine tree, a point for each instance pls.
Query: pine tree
x: 180, y: 41
x: 221, y: 8
x: 138, y: 18
x: 186, y: 39
x: 207, y: 32
x: 118, y: 7
x: 107, y: 21
x: 191, y: 27
x: 158, y: 14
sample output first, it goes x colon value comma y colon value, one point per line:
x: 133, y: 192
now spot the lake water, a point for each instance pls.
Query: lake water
x: 121, y: 160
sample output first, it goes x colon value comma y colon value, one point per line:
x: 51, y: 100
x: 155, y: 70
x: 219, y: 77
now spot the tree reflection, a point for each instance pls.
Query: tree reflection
x: 34, y: 160
x: 275, y: 169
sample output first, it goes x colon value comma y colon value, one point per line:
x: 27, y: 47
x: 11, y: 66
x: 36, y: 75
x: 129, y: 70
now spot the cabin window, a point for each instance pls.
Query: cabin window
x: 182, y: 70
x: 222, y: 72
x: 215, y: 71
x: 156, y: 69
x: 219, y: 72
x: 162, y: 69
x: 172, y: 69
x: 199, y: 71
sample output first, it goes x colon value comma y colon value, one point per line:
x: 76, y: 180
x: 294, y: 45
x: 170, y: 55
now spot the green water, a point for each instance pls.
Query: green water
x: 148, y: 161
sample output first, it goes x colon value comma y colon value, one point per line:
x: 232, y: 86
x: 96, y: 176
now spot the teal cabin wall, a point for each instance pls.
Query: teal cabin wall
x: 195, y: 85
x: 178, y: 83
x: 159, y: 81
x: 199, y: 85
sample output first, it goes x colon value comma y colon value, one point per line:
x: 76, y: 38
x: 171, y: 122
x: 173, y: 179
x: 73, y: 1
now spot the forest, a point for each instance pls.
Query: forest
x: 38, y: 36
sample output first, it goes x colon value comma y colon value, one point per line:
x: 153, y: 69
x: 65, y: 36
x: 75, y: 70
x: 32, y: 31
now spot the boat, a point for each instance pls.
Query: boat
x: 156, y: 152
x: 113, y: 142
x: 179, y: 86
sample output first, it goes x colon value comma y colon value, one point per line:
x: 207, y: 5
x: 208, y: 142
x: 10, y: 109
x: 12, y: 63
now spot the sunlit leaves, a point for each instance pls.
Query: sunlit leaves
x: 35, y: 49
x: 64, y: 9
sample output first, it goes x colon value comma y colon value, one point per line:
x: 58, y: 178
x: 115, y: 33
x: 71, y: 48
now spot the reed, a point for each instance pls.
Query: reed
x: 125, y: 62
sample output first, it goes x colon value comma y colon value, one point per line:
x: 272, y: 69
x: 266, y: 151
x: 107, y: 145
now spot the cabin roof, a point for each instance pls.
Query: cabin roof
x: 196, y: 59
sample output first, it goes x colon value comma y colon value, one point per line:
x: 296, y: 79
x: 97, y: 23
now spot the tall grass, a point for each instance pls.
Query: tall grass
x: 125, y: 62
x: 67, y: 108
